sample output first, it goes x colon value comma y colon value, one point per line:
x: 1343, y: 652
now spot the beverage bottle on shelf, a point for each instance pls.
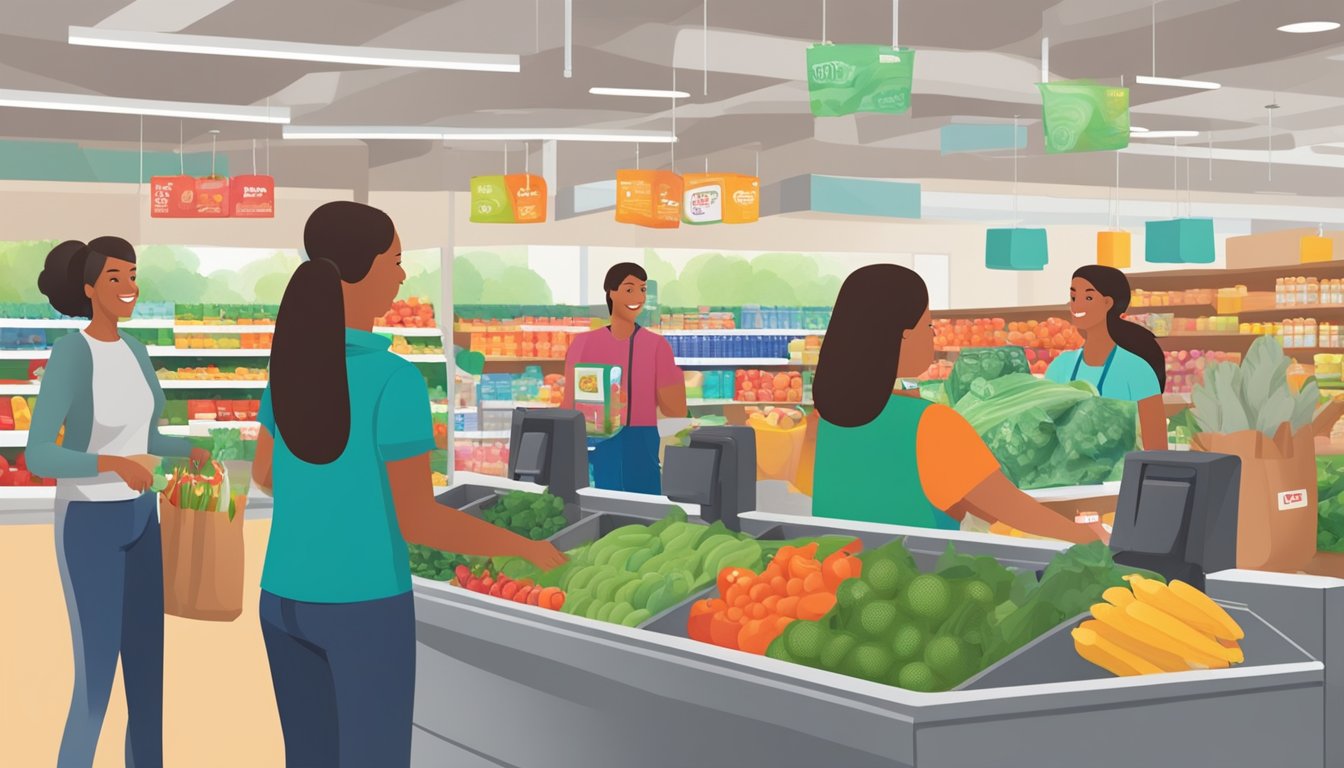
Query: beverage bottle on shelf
x: 1313, y: 292
x: 1311, y: 334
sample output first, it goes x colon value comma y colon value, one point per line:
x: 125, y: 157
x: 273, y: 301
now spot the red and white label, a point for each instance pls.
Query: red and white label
x: 1292, y: 500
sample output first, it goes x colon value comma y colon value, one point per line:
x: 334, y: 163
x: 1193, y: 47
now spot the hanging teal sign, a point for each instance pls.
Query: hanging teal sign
x: 1079, y: 116
x: 1179, y: 241
x: 845, y: 79
x: 1016, y: 249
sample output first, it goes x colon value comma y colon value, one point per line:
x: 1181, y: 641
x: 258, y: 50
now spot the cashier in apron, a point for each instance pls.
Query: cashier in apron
x: 651, y: 380
x: 1121, y: 359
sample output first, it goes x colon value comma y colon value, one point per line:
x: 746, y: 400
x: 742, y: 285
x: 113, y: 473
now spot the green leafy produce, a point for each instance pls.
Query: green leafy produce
x: 430, y: 563
x: 1253, y: 395
x: 985, y: 364
x: 938, y: 628
x: 534, y: 515
x: 1330, y: 505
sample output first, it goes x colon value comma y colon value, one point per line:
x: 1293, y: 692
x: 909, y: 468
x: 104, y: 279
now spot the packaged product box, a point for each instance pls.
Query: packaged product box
x: 721, y: 198
x: 212, y: 197
x: 599, y: 396
x: 202, y: 410
x: 172, y: 197
x: 252, y: 197
x: 649, y: 198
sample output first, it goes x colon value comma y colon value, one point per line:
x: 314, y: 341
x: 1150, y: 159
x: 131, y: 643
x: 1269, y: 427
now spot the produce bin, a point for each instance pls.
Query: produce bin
x: 475, y: 499
x: 593, y: 694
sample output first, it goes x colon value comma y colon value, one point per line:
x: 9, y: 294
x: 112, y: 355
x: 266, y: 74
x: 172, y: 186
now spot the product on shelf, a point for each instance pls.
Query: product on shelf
x: 259, y: 341
x: 212, y: 373
x: 1150, y: 627
x: 752, y: 609
x: 499, y: 325
x: 225, y: 314
x: 1185, y: 368
x: 739, y: 346
x: 482, y: 457
x: 1194, y: 297
x: 534, y: 515
x: 698, y: 321
x: 1308, y: 291
x: 545, y: 345
x: 1329, y: 367
x: 755, y: 386
x: 1050, y: 334
x: 1197, y: 326
x: 16, y: 475
x: 23, y: 338
x: 416, y: 346
x: 222, y: 410
x: 931, y: 631
x: 413, y: 312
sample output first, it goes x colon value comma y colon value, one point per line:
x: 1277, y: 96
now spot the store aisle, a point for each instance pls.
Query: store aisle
x: 218, y: 706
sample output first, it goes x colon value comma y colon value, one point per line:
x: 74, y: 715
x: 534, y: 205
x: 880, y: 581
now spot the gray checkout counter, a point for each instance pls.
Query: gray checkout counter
x: 499, y: 684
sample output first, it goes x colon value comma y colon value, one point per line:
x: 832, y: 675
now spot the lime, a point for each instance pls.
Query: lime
x: 837, y: 648
x: 946, y: 656
x: 851, y: 593
x: 883, y: 575
x: 979, y: 592
x: 805, y: 640
x: 929, y: 597
x: 778, y: 650
x: 908, y: 643
x: 916, y: 676
x: 869, y: 661
x: 877, y: 618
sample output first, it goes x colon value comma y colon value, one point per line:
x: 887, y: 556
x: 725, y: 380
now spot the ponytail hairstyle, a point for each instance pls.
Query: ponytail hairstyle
x: 1131, y: 337
x: 310, y: 393
x: 72, y: 265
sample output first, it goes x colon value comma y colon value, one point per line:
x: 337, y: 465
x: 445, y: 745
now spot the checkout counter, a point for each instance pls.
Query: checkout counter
x: 499, y: 684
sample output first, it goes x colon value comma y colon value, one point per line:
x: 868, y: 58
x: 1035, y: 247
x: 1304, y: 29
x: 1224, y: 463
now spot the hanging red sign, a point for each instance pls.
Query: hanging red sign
x: 212, y: 197
x: 172, y: 197
x: 253, y: 197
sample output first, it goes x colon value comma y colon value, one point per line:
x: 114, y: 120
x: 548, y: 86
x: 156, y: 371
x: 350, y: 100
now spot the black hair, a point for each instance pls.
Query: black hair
x: 72, y: 265
x: 857, y: 369
x: 617, y: 274
x: 310, y: 393
x: 1140, y: 341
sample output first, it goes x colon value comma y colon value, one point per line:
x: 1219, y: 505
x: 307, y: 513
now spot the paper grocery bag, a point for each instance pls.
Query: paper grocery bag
x: 202, y: 562
x: 1276, y: 528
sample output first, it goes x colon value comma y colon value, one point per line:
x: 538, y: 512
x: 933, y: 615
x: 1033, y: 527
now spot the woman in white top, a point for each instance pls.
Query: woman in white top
x: 99, y: 384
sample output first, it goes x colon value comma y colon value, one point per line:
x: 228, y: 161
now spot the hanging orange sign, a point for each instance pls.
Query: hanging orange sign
x: 649, y: 198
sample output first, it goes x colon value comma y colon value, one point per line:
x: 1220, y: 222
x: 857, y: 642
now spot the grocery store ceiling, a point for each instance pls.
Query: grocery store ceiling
x: 977, y: 61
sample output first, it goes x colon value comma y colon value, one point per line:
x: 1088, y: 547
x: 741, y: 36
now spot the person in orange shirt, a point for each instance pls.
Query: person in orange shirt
x: 883, y: 455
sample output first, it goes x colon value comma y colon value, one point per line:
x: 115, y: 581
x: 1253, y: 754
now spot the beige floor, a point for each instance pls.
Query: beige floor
x: 218, y: 706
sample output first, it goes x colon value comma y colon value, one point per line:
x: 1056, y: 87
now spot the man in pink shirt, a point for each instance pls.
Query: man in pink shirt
x: 650, y: 378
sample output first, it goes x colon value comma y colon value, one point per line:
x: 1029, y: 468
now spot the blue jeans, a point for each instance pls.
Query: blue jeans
x: 111, y: 564
x: 628, y: 461
x: 344, y: 677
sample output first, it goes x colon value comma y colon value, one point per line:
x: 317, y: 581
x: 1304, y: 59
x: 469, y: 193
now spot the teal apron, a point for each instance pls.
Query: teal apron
x: 1105, y: 369
x: 628, y: 460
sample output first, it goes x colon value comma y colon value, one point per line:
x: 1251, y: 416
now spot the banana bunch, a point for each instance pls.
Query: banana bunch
x: 1153, y: 627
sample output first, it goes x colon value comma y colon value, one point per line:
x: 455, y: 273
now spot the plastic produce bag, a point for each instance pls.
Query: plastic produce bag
x: 845, y: 79
x: 202, y: 528
x: 1084, y: 117
x: 983, y: 364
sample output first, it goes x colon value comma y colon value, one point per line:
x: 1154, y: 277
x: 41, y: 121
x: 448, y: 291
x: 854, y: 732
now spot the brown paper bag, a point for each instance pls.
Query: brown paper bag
x: 1276, y: 528
x: 202, y: 562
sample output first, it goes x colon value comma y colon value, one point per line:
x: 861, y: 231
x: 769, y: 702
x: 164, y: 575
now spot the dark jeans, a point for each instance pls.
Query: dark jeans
x: 112, y: 570
x: 344, y: 676
x: 628, y: 461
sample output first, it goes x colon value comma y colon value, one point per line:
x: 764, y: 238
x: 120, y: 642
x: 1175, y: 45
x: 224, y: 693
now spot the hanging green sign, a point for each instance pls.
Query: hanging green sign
x: 845, y: 79
x: 1084, y: 117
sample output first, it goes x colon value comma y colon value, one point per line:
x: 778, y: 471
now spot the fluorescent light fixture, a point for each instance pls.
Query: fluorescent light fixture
x: 274, y: 49
x: 644, y: 93
x: 1307, y: 27
x: 1164, y: 135
x: 75, y: 102
x: 433, y: 133
x: 1137, y: 129
x: 1176, y: 82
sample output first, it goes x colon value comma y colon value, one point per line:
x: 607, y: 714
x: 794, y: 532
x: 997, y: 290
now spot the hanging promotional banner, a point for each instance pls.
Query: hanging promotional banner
x: 212, y: 197
x: 845, y: 79
x: 721, y: 198
x: 1079, y: 116
x: 517, y: 198
x: 253, y: 197
x: 172, y: 197
x: 649, y: 198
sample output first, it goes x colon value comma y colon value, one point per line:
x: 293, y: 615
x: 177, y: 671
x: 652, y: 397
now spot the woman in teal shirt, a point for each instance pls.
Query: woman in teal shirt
x: 889, y: 456
x: 1121, y: 359
x: 344, y: 450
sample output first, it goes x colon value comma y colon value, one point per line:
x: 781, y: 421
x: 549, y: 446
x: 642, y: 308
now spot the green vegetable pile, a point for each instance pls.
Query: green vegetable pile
x: 1254, y: 395
x: 983, y: 364
x: 534, y: 515
x: 1330, y: 504
x: 430, y: 563
x: 932, y: 631
x: 1046, y: 435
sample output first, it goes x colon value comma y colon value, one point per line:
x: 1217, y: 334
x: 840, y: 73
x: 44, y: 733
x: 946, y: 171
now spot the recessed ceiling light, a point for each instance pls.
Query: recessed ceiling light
x: 1176, y: 82
x: 1164, y: 134
x: 78, y: 102
x: 1307, y: 27
x: 639, y: 92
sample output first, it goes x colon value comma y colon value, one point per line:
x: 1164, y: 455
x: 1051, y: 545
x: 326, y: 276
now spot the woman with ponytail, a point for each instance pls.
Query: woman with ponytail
x: 344, y: 450
x: 1121, y: 359
x: 100, y: 386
